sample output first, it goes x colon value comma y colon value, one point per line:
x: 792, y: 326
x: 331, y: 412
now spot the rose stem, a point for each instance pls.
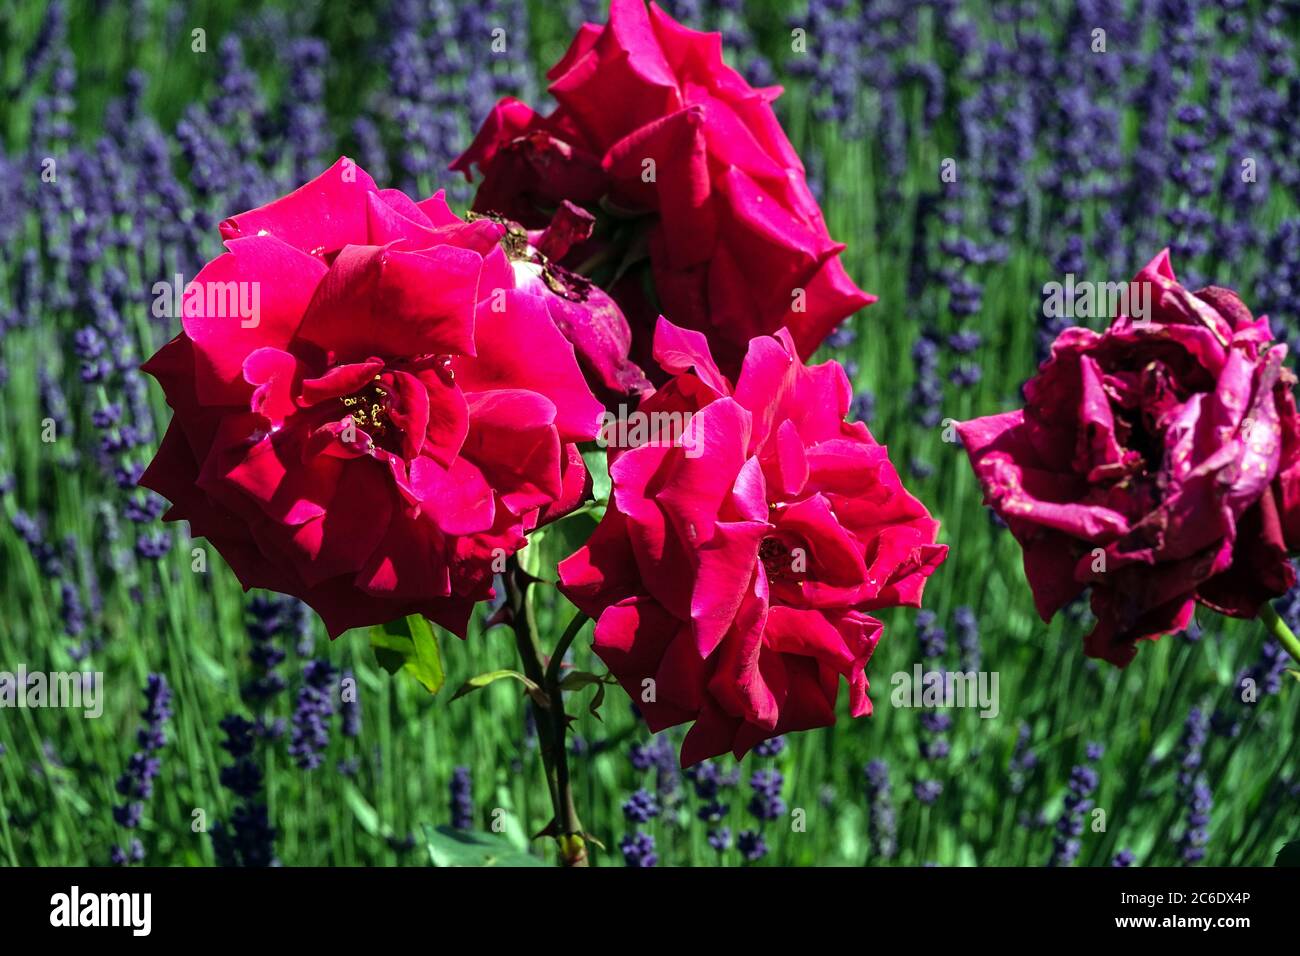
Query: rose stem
x: 566, y: 639
x: 566, y: 828
x: 1278, y: 628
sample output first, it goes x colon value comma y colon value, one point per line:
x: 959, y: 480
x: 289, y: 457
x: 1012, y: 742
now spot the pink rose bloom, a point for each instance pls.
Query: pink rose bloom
x: 653, y: 127
x: 1157, y: 463
x: 732, y: 572
x: 395, y: 417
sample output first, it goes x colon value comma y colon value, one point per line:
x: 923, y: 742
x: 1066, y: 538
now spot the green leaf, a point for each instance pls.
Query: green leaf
x: 593, y: 708
x: 448, y: 847
x: 366, y: 815
x: 576, y: 680
x: 1289, y: 855
x: 409, y: 644
x: 597, y: 461
x: 479, y: 681
x: 550, y: 545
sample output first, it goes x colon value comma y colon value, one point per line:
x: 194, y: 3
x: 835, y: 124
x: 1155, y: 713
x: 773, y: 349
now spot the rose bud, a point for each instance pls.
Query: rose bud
x: 583, y: 312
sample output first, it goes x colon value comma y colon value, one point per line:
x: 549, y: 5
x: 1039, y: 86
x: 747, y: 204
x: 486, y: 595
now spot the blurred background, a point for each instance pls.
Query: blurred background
x: 223, y: 739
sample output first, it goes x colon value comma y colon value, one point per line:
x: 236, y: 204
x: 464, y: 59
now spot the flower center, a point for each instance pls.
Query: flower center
x: 369, y: 409
x: 521, y: 253
x: 565, y: 284
x: 780, y: 562
x: 515, y: 239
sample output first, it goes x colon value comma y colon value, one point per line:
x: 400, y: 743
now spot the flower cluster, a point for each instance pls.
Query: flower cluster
x: 376, y: 401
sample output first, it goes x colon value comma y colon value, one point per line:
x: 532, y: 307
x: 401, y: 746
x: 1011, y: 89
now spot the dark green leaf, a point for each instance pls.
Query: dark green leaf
x: 576, y: 680
x: 1289, y: 855
x: 409, y: 644
x: 597, y: 699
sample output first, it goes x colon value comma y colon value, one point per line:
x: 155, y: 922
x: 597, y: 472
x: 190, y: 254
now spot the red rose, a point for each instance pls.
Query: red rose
x: 652, y: 123
x: 394, y: 416
x: 1157, y: 462
x: 742, y: 547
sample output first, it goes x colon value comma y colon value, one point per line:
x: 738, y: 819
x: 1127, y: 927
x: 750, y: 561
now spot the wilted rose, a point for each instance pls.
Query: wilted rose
x: 1157, y: 463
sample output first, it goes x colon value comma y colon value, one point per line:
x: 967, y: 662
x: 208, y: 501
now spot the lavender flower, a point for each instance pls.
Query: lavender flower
x: 751, y: 845
x: 658, y: 755
x: 766, y: 802
x: 935, y: 724
x: 1200, y: 801
x: 143, y: 767
x: 350, y: 707
x: 124, y: 856
x: 462, y: 799
x: 1262, y: 679
x: 264, y: 623
x: 638, y: 849
x: 641, y: 807
x: 310, y: 724
x: 927, y: 791
x: 1070, y: 825
x: 1193, y: 788
x: 720, y: 839
x: 248, y: 839
x: 968, y: 638
x: 43, y: 551
x: 881, y: 823
x: 708, y: 783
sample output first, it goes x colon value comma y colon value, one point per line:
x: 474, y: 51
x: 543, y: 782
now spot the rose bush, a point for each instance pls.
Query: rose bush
x: 1157, y: 462
x: 731, y: 574
x: 396, y: 417
x: 690, y: 167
